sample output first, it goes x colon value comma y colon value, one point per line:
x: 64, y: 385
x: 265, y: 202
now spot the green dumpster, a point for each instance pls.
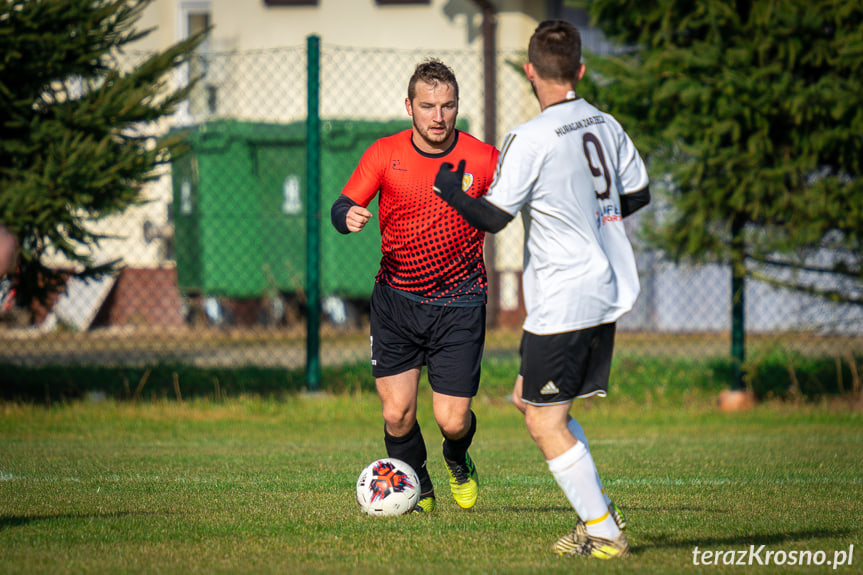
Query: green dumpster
x: 225, y: 220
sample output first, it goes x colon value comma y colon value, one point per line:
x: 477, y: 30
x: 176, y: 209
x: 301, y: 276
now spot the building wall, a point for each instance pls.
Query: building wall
x: 253, y: 25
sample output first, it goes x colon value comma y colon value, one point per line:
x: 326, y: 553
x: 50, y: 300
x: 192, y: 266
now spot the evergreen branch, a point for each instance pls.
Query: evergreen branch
x: 834, y: 295
x: 841, y: 269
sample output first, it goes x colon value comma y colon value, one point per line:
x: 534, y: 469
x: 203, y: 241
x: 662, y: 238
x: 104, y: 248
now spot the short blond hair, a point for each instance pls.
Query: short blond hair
x: 432, y: 71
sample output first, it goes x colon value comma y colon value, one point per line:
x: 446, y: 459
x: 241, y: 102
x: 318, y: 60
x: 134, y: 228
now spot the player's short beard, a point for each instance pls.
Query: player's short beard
x: 434, y: 141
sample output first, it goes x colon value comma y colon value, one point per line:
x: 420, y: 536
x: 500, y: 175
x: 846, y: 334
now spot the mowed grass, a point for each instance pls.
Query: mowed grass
x: 252, y: 485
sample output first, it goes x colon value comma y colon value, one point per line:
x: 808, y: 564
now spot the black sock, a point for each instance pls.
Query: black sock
x: 411, y: 449
x: 456, y: 449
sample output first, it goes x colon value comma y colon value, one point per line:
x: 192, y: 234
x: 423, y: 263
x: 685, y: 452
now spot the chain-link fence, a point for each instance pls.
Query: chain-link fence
x: 214, y: 263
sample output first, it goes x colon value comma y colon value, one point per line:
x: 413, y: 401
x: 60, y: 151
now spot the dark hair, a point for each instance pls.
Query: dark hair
x: 431, y: 72
x: 555, y: 50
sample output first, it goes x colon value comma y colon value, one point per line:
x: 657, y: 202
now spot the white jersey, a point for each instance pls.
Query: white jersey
x: 565, y: 171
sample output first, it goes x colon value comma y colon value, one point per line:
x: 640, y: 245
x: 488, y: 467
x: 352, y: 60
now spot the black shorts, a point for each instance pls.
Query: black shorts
x: 448, y: 340
x: 560, y: 367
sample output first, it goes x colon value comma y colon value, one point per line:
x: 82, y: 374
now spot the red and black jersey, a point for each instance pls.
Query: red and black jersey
x: 429, y: 251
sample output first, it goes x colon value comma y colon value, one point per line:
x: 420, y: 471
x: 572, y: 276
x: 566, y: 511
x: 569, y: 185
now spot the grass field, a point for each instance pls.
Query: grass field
x: 252, y: 485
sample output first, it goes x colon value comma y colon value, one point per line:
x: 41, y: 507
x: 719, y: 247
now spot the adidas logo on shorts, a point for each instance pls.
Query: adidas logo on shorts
x: 549, y: 388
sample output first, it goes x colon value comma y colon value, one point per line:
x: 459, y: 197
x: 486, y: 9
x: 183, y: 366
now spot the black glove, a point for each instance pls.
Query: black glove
x: 447, y: 182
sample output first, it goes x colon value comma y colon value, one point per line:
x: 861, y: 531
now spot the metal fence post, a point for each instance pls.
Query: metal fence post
x: 738, y: 289
x: 489, y: 73
x: 313, y: 216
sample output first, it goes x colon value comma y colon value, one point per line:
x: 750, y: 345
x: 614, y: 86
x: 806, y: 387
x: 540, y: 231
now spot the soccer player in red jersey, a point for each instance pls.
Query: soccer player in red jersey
x: 428, y: 303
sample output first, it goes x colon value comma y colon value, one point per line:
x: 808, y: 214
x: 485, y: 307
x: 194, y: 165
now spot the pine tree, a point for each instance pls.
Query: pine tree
x: 74, y: 139
x: 754, y: 112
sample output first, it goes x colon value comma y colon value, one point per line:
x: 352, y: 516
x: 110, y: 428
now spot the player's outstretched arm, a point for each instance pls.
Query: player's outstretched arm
x: 348, y: 216
x: 478, y: 212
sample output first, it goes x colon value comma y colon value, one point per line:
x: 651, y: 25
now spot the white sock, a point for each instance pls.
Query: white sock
x: 576, y: 430
x: 575, y: 473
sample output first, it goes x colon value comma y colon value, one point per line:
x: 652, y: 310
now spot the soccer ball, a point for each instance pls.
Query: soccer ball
x: 388, y: 487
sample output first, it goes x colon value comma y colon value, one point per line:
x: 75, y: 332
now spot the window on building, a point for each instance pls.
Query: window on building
x: 291, y: 2
x: 196, y: 16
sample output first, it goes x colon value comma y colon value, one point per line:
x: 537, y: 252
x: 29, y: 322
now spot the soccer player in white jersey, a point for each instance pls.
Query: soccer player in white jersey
x: 574, y: 174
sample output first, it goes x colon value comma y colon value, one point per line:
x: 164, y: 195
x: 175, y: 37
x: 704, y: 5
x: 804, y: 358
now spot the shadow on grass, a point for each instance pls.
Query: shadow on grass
x: 626, y: 510
x: 11, y: 521
x: 738, y: 542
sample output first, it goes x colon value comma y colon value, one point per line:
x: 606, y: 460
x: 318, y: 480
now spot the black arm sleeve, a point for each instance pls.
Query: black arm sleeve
x: 339, y: 213
x: 631, y: 203
x: 480, y: 213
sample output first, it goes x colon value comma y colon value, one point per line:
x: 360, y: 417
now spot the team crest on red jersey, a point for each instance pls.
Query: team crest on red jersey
x: 466, y: 181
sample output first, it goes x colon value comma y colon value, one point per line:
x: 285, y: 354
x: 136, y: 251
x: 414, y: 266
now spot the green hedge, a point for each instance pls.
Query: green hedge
x: 774, y: 375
